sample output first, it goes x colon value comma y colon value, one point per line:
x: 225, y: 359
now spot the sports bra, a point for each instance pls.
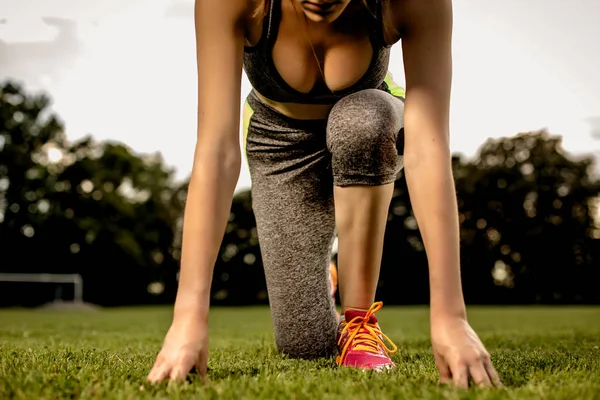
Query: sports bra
x: 264, y: 77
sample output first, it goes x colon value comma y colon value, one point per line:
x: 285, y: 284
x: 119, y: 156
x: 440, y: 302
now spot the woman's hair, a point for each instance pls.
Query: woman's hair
x: 261, y: 8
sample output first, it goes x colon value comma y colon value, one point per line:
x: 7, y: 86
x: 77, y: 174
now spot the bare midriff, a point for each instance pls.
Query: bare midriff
x: 296, y: 110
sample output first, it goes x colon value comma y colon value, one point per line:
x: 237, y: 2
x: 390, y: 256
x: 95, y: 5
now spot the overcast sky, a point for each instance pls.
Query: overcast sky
x: 125, y: 70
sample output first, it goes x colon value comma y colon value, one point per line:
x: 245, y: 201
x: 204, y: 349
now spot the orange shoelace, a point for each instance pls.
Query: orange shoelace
x: 364, y: 336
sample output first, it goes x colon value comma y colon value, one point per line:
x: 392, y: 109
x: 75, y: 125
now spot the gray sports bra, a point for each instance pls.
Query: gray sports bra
x: 264, y: 77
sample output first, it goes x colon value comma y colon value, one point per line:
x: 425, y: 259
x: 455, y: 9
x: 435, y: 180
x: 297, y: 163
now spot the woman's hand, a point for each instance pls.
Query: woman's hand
x: 185, y: 347
x: 219, y: 28
x: 460, y: 355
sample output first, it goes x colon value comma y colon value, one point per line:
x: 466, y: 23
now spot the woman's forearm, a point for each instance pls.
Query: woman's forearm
x: 207, y: 210
x: 433, y: 197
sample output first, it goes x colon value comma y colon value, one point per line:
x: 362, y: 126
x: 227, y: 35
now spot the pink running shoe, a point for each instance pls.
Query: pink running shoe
x: 361, y: 341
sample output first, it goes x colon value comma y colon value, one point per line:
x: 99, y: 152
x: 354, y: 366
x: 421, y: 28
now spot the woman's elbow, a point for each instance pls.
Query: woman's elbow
x: 420, y: 151
x: 222, y: 155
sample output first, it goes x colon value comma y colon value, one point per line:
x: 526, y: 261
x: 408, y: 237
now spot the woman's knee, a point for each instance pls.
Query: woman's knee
x: 362, y: 137
x: 306, y: 333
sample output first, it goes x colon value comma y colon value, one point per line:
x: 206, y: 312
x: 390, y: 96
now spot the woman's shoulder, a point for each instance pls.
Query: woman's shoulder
x: 404, y: 17
x: 240, y: 10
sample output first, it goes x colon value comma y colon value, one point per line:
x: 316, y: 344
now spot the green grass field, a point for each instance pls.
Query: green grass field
x: 541, y: 353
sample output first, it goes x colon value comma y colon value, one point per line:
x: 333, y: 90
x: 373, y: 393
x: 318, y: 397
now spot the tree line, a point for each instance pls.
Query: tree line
x: 528, y: 213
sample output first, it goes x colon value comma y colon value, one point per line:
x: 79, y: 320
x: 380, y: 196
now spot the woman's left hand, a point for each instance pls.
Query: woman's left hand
x: 460, y: 355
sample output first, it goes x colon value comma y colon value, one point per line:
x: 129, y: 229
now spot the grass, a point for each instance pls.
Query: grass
x: 541, y: 353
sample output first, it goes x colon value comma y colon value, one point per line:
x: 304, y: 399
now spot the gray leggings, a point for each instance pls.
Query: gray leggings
x: 294, y: 165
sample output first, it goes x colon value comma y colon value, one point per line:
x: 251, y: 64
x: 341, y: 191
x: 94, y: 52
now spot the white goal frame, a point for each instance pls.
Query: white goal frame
x: 75, y: 279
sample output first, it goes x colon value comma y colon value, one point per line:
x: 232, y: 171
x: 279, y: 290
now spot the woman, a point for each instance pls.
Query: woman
x: 324, y: 125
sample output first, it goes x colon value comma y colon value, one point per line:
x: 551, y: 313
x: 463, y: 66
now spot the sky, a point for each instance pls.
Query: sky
x: 126, y: 70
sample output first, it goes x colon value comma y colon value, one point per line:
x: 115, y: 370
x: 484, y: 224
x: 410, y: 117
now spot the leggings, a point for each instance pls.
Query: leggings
x: 294, y: 165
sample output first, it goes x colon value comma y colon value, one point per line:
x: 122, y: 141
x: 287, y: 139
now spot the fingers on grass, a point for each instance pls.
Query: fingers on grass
x: 179, y: 373
x: 201, y: 369
x: 479, y: 375
x: 159, y: 373
x: 460, y: 375
x: 183, y: 367
x: 444, y: 369
x: 492, y: 373
x: 478, y: 370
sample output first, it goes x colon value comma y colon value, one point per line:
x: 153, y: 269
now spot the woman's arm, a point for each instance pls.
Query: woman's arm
x: 427, y: 158
x: 217, y: 160
x: 458, y: 351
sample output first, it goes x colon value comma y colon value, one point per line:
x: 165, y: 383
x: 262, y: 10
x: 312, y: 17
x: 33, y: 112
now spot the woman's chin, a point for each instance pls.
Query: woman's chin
x: 321, y: 17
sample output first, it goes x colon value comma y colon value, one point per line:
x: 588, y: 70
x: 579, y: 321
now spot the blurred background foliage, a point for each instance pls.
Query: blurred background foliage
x: 528, y: 211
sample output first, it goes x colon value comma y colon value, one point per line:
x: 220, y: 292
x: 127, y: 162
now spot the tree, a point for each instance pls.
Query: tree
x: 239, y: 275
x: 90, y: 208
x: 528, y: 230
x: 527, y: 221
x: 29, y: 140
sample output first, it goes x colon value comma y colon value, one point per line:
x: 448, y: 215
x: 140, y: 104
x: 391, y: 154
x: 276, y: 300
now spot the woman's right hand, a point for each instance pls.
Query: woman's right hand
x: 220, y: 28
x: 185, y: 348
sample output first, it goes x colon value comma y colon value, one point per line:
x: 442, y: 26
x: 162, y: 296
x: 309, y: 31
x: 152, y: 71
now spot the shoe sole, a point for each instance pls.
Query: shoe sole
x: 381, y: 368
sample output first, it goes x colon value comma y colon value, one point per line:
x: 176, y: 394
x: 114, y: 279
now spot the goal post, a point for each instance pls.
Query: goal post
x: 74, y: 279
